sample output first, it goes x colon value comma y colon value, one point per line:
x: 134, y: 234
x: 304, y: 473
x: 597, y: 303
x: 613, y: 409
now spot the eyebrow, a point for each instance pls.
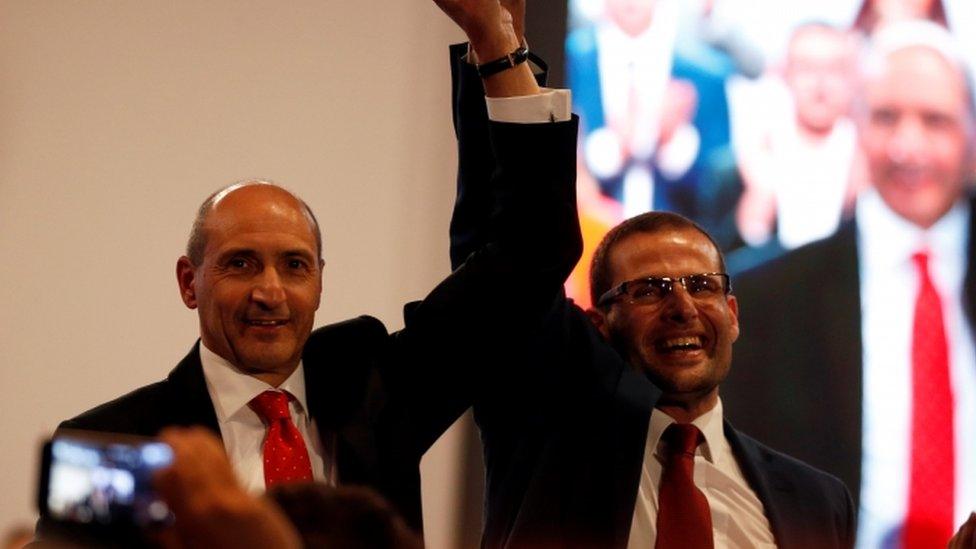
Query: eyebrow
x: 295, y: 252
x: 300, y: 253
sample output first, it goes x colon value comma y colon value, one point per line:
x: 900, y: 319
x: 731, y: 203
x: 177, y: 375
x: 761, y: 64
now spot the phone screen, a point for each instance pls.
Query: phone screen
x: 99, y: 481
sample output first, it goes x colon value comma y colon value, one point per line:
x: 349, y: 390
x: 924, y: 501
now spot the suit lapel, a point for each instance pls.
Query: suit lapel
x: 188, y: 390
x: 338, y: 379
x: 775, y: 491
x: 839, y: 310
x: 634, y: 402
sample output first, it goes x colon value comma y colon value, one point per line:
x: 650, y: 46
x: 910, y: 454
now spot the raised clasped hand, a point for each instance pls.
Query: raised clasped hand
x: 494, y: 27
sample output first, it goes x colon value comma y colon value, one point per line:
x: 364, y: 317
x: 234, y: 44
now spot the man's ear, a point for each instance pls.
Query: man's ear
x: 734, y: 312
x: 599, y: 319
x: 185, y: 277
x: 318, y: 298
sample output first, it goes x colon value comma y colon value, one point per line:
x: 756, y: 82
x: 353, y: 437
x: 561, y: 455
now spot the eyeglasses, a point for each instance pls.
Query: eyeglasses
x: 653, y: 289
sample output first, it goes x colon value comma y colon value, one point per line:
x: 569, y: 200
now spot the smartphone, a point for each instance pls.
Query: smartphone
x: 102, y: 480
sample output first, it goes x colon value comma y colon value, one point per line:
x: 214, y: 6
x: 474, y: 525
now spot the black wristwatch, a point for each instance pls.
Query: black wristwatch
x: 513, y: 59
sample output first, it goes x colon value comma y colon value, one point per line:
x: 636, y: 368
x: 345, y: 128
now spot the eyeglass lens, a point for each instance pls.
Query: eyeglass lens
x: 653, y: 289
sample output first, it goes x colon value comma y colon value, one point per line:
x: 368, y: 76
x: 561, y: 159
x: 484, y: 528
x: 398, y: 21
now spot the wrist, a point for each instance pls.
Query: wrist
x: 494, y: 45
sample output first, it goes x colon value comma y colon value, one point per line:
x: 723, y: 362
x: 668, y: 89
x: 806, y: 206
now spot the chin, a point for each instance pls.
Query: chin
x: 267, y: 361
x: 682, y: 380
x: 689, y: 389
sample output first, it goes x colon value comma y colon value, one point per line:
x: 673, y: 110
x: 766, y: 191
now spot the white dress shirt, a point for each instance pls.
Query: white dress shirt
x: 810, y: 182
x: 242, y: 429
x: 738, y: 519
x: 889, y: 286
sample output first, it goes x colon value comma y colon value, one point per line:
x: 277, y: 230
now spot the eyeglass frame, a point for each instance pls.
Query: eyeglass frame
x: 621, y: 289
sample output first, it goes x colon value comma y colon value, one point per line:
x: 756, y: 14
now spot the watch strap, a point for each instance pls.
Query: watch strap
x: 517, y: 57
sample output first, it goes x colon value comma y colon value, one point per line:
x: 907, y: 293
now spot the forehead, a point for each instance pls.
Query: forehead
x: 895, y: 84
x: 917, y: 7
x: 665, y: 252
x: 258, y: 215
x: 816, y: 42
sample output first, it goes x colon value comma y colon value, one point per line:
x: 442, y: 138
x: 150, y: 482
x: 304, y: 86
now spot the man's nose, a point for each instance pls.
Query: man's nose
x: 268, y: 290
x: 679, y: 306
x: 907, y: 142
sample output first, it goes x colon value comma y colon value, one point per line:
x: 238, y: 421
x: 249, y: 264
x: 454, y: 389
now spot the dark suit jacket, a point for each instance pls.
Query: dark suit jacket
x: 345, y: 396
x: 564, y: 419
x: 389, y: 396
x: 796, y: 376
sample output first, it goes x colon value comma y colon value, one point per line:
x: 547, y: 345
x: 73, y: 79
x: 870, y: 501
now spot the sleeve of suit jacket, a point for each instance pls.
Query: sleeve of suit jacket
x: 473, y: 207
x: 512, y: 254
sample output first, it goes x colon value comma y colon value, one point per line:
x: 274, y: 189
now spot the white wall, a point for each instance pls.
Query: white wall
x: 118, y: 117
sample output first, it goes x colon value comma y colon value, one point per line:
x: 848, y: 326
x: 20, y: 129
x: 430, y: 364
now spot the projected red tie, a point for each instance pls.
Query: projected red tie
x: 928, y: 522
x: 683, y: 516
x: 285, y: 455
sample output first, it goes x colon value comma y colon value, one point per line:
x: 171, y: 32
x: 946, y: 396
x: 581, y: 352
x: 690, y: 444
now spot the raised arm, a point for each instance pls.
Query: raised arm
x: 516, y: 266
x: 475, y: 199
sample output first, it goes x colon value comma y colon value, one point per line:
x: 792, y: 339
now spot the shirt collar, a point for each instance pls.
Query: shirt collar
x: 887, y: 241
x: 231, y: 389
x: 709, y: 423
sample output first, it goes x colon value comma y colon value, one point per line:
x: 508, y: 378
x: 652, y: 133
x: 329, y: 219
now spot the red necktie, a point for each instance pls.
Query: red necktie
x: 683, y: 516
x: 285, y: 455
x: 929, y: 520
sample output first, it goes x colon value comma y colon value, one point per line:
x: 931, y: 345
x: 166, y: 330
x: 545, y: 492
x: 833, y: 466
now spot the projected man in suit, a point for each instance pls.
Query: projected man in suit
x: 655, y: 114
x: 858, y: 354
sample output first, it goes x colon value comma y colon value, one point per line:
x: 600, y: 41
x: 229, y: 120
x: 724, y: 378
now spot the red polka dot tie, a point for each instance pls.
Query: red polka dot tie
x: 285, y: 455
x: 932, y: 477
x: 684, y: 519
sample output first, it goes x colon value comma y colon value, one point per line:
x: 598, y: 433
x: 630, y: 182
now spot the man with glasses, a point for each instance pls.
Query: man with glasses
x: 604, y: 428
x: 664, y: 303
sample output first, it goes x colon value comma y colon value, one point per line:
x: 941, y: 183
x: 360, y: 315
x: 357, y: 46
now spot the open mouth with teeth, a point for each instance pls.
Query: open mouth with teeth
x: 265, y: 323
x: 679, y: 344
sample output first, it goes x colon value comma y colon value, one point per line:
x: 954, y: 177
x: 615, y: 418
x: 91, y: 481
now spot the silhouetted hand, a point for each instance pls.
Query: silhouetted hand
x: 211, y: 508
x: 965, y: 538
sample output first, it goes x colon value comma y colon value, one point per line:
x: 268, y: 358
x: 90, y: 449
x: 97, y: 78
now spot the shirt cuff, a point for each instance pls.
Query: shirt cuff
x: 552, y: 105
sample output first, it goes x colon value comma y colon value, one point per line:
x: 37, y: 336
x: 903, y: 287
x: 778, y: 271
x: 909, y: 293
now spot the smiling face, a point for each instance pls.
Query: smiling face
x: 259, y: 283
x: 916, y: 137
x: 683, y: 344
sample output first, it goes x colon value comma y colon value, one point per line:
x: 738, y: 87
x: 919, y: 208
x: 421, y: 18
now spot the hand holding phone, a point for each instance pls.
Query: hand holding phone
x: 177, y: 490
x: 102, y: 479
